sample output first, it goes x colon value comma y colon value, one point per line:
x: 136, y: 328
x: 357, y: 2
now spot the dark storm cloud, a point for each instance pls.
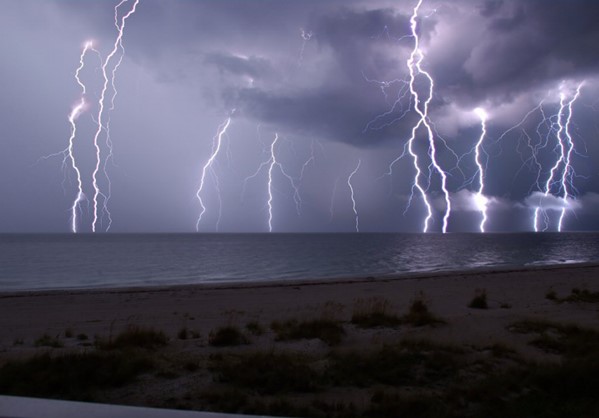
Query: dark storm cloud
x: 339, y: 108
x: 527, y: 44
x: 254, y: 67
x: 338, y: 115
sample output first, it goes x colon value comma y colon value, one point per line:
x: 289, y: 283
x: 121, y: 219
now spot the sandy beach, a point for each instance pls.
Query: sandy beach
x: 190, y: 317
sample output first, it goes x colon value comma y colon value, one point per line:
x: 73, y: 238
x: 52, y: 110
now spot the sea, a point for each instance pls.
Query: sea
x: 88, y: 261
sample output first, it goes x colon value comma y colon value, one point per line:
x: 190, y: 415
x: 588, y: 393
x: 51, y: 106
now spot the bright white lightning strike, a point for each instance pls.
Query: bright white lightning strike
x: 414, y: 64
x: 480, y: 199
x: 565, y: 146
x: 69, y: 152
x: 216, y: 147
x: 100, y: 117
x: 353, y: 199
x: 271, y: 163
x: 72, y: 118
x: 567, y: 172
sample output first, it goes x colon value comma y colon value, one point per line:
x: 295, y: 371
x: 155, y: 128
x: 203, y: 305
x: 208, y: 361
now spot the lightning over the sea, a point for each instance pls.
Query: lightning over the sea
x: 271, y: 163
x: 414, y: 64
x: 480, y: 199
x: 100, y: 116
x: 216, y: 147
x: 80, y: 198
x: 352, y: 196
x: 562, y: 184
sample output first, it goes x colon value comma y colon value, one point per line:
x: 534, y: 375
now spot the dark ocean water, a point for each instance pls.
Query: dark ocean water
x: 114, y: 260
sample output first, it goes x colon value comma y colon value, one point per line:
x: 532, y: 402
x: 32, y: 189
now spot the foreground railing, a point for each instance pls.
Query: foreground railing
x: 17, y: 407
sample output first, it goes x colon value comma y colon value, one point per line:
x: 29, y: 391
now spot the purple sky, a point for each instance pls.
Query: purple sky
x: 317, y: 73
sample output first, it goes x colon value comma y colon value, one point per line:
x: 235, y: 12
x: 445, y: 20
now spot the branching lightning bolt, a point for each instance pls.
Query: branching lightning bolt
x: 565, y: 147
x: 100, y: 117
x: 271, y: 162
x: 568, y: 171
x: 480, y: 198
x: 80, y: 198
x: 414, y: 64
x: 353, y: 199
x: 216, y: 147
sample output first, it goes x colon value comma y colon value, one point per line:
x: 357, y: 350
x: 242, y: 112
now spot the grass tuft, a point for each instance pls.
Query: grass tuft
x: 135, y: 337
x: 183, y: 333
x: 255, y: 328
x: 480, y: 300
x: 328, y: 331
x: 419, y: 314
x: 374, y: 313
x: 227, y: 336
x: 48, y: 341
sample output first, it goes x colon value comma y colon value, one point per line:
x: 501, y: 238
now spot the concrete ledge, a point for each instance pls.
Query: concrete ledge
x: 17, y: 407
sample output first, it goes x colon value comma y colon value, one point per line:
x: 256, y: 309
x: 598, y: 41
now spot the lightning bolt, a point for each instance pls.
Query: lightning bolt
x: 480, y: 199
x: 271, y: 163
x: 216, y: 147
x: 414, y: 64
x: 68, y: 153
x: 75, y: 113
x: 397, y: 106
x: 568, y: 172
x: 351, y: 189
x: 100, y: 117
x: 565, y: 147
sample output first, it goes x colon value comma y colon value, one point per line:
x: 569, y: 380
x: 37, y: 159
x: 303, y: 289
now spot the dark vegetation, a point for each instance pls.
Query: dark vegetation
x: 479, y: 301
x: 48, y: 341
x: 373, y: 313
x: 413, y: 378
x: 376, y: 312
x: 576, y: 295
x: 327, y: 330
x: 255, y: 328
x: 80, y: 374
x: 134, y: 337
x: 71, y: 376
x: 419, y: 314
x: 227, y: 336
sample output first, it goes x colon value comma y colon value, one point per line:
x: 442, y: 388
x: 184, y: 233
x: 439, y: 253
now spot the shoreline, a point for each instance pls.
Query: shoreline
x: 256, y: 284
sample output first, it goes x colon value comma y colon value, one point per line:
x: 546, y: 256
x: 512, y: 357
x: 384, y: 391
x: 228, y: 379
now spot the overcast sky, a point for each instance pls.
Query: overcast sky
x: 331, y: 79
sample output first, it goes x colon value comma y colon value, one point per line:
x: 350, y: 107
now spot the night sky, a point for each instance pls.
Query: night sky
x: 330, y: 78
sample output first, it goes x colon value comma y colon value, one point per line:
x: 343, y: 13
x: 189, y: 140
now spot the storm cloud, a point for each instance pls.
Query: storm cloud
x: 331, y: 79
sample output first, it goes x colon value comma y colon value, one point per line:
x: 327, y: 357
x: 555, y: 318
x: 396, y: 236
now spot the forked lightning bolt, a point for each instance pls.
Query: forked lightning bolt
x: 271, y: 163
x: 480, y: 199
x: 100, y: 117
x: 414, y: 64
x: 216, y: 147
x: 68, y: 153
x: 80, y: 198
x: 565, y: 147
x: 352, y: 196
x: 568, y: 172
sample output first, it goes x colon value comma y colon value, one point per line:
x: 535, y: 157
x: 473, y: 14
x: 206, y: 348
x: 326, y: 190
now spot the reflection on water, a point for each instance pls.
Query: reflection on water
x: 80, y: 261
